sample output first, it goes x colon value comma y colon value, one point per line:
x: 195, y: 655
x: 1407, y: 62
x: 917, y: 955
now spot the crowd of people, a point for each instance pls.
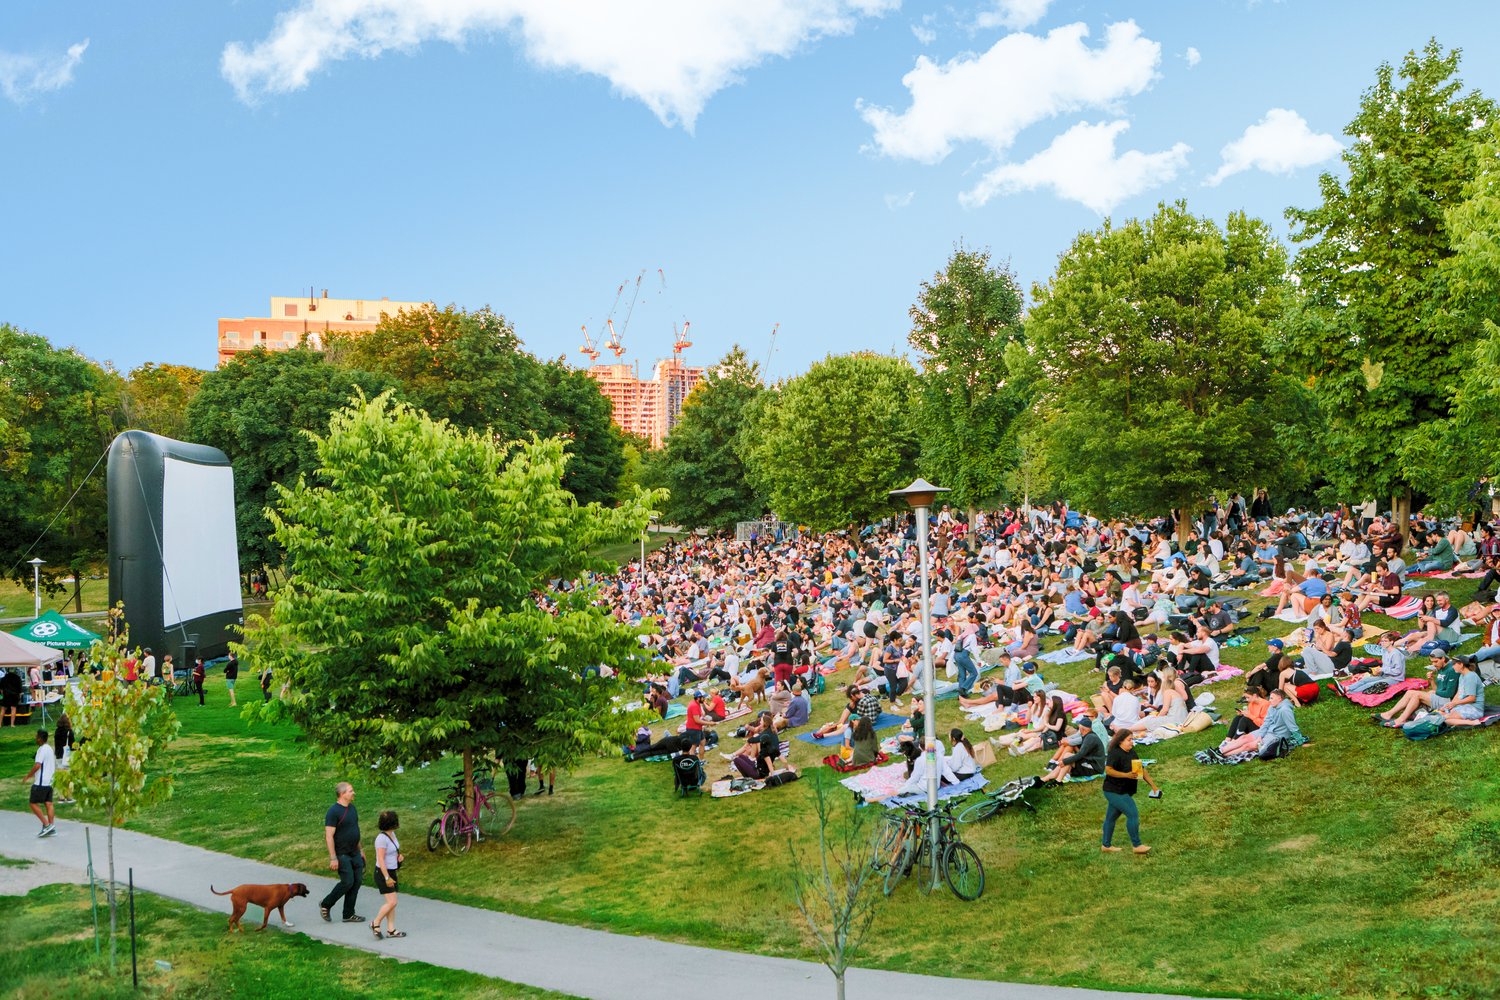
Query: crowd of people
x: 758, y: 625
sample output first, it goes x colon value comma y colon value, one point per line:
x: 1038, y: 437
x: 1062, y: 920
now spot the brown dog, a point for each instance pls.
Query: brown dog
x: 753, y: 689
x: 267, y: 897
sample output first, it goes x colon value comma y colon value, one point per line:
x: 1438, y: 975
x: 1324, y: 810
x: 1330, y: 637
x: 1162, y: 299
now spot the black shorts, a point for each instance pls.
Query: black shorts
x: 693, y: 736
x: 1388, y: 600
x: 382, y: 886
x: 41, y: 794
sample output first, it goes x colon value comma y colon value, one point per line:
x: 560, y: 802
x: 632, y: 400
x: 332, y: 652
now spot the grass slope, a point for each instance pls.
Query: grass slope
x: 1361, y: 866
x: 48, y: 943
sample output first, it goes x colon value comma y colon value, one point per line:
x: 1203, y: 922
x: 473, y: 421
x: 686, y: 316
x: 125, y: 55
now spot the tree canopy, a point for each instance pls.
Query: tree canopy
x: 419, y: 618
x: 259, y: 409
x: 826, y: 447
x: 1371, y: 325
x: 700, y: 464
x: 1151, y: 338
x: 966, y: 329
x: 156, y: 398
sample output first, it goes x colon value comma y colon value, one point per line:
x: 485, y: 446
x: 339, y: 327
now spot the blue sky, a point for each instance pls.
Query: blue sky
x: 802, y: 162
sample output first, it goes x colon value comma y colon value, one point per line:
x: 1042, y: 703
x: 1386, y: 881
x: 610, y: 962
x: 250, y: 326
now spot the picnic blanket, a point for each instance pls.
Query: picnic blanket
x: 1224, y: 673
x: 842, y: 766
x: 973, y: 783
x: 1407, y: 607
x: 1066, y: 655
x: 676, y: 710
x: 734, y: 786
x: 886, y: 721
x: 1370, y: 699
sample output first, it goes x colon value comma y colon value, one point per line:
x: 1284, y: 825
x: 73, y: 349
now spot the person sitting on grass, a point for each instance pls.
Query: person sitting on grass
x: 1085, y: 760
x: 1304, y: 595
x: 1467, y: 706
x: 1252, y: 715
x: 1444, y: 686
x: 1294, y: 681
x: 916, y: 771
x: 852, y: 696
x: 1439, y: 557
x: 1437, y: 623
x: 1045, y: 731
x: 1280, y: 724
x: 864, y: 745
x: 1392, y: 668
x: 1382, y: 590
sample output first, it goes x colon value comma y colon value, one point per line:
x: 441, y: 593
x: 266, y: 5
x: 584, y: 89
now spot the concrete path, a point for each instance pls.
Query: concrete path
x: 575, y: 960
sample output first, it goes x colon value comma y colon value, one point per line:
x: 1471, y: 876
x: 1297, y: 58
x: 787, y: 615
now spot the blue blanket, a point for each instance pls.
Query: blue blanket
x: 886, y: 721
x: 970, y: 784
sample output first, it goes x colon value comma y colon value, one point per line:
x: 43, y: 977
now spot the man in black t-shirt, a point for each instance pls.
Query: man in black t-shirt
x: 345, y: 855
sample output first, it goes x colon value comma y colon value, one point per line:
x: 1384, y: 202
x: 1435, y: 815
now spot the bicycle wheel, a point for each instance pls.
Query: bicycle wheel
x: 980, y: 811
x: 457, y: 832
x: 886, y: 838
x: 498, y: 815
x: 435, y: 834
x: 901, y: 859
x: 922, y: 870
x: 963, y: 871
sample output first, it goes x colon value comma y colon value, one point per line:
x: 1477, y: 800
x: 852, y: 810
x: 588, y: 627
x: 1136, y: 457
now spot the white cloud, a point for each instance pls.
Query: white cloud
x: 1279, y: 143
x: 1023, y: 79
x: 1193, y: 57
x: 1081, y: 165
x: 925, y: 34
x: 672, y: 55
x: 896, y: 202
x: 1013, y: 14
x: 24, y: 75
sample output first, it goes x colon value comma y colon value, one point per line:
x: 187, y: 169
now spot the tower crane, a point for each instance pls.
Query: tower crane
x: 588, y: 349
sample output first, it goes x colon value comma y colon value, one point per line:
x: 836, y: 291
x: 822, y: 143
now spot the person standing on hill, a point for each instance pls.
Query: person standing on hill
x: 231, y: 674
x: 1123, y: 772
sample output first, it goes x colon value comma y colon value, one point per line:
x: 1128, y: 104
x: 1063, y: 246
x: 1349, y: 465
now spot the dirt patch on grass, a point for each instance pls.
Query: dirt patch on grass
x: 1301, y: 843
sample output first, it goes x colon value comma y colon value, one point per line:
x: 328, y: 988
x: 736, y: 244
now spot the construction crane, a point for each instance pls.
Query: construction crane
x: 588, y: 349
x: 770, y: 351
x: 613, y: 341
x: 680, y: 340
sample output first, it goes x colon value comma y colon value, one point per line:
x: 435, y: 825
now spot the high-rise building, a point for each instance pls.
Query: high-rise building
x: 292, y: 318
x: 650, y: 407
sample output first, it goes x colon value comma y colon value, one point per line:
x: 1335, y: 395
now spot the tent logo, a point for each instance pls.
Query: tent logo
x: 45, y: 630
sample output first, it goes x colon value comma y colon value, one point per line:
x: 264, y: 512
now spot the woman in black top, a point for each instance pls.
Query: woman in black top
x: 1123, y: 771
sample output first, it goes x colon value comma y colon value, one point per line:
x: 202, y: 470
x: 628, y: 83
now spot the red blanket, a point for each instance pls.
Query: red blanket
x: 1369, y: 700
x: 836, y: 762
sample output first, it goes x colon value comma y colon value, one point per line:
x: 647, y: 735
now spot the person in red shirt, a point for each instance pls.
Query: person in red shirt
x: 693, y: 728
x: 129, y: 668
x: 713, y: 708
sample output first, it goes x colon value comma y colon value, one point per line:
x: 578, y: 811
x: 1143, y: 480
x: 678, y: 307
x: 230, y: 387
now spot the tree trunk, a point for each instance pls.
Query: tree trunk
x: 78, y: 592
x: 469, y: 781
x: 838, y: 979
x: 1401, y: 505
x: 109, y: 891
x: 1184, y: 527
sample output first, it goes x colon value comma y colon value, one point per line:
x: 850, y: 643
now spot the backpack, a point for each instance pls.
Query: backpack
x: 817, y: 683
x: 1424, y: 727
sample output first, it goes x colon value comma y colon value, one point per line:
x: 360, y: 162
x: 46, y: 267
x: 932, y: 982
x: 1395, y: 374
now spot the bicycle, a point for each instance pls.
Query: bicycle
x: 1012, y: 793
x: 457, y: 828
x: 905, y: 842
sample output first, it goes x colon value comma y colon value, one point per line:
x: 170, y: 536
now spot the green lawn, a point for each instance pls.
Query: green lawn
x: 1361, y: 866
x: 629, y: 551
x: 47, y: 939
x: 17, y: 600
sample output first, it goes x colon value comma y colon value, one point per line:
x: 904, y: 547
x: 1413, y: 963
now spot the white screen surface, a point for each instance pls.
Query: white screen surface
x: 200, y: 561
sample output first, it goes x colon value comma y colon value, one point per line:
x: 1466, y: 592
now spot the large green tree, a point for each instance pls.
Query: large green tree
x: 418, y: 617
x: 1151, y: 340
x: 259, y: 409
x: 700, y: 464
x: 59, y: 412
x: 471, y: 369
x: 1371, y: 326
x: 966, y: 329
x: 826, y: 447
x: 155, y: 398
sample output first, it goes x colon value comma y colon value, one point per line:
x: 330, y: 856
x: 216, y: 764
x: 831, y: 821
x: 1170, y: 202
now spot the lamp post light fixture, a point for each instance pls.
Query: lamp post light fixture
x: 36, y: 584
x: 919, y: 496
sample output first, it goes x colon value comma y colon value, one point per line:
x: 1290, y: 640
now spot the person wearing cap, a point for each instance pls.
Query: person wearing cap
x: 1220, y: 622
x: 1444, y: 686
x: 693, y: 726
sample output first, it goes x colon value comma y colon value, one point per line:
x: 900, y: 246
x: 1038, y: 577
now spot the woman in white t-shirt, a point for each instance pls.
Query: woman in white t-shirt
x: 388, y: 860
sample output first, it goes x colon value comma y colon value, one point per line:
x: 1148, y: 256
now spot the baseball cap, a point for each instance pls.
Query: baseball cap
x: 1276, y: 643
x: 1029, y: 667
x: 1118, y: 647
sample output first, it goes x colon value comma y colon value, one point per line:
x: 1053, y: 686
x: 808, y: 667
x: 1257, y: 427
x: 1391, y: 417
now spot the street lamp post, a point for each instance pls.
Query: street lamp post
x: 36, y: 585
x: 919, y: 496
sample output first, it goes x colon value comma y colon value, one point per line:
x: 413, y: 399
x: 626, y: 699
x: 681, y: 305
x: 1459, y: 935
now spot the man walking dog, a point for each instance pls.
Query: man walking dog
x: 345, y: 855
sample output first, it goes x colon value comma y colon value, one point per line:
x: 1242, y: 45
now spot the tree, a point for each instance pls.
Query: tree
x: 156, y: 398
x: 61, y: 411
x: 1150, y: 337
x: 826, y: 448
x: 125, y: 730
x: 259, y: 410
x: 837, y: 892
x: 700, y: 464
x: 468, y: 368
x: 1370, y: 326
x: 418, y: 616
x: 964, y: 325
x: 573, y: 408
x: 1445, y: 457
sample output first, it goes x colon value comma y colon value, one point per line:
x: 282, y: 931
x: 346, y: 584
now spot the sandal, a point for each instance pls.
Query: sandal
x: 396, y: 934
x: 376, y: 930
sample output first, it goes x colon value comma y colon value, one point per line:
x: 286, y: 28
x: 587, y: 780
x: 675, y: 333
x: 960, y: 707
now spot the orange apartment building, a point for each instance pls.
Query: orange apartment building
x: 293, y: 318
x: 650, y: 407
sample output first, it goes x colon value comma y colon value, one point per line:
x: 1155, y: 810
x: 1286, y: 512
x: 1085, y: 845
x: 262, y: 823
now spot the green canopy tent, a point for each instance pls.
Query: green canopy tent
x: 53, y: 630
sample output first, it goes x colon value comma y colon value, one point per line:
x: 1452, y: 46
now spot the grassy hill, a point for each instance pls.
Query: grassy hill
x: 1361, y: 866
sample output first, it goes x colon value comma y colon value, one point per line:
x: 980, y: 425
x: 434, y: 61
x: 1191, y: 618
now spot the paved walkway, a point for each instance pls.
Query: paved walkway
x: 575, y: 960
